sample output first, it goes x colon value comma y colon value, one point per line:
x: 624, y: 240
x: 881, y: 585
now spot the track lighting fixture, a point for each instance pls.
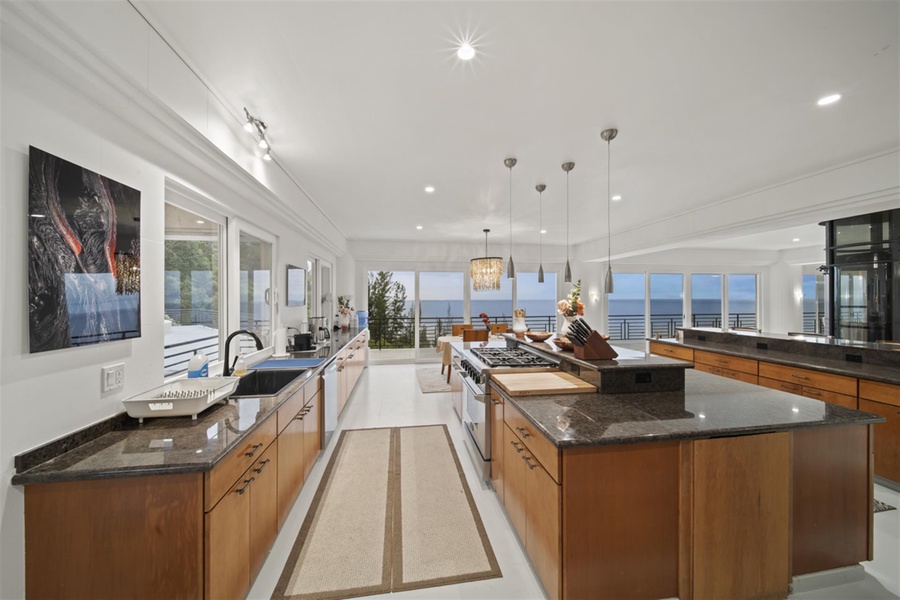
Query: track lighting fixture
x: 259, y: 127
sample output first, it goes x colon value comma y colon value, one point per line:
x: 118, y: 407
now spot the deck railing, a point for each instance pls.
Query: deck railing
x: 632, y: 327
x: 399, y: 332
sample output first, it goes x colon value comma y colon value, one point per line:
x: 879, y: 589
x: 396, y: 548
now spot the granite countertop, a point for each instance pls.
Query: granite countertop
x: 710, y: 406
x: 627, y: 359
x: 882, y: 373
x: 173, y: 444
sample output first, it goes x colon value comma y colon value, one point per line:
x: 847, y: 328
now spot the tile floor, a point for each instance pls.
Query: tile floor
x: 389, y: 396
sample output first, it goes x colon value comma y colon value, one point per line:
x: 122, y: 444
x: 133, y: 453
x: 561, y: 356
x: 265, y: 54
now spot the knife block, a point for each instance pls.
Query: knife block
x: 595, y: 348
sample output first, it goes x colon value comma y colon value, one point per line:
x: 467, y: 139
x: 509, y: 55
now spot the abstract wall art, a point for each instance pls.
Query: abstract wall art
x: 84, y: 256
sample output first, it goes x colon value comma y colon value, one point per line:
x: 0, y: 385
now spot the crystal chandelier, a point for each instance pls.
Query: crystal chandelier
x: 486, y: 271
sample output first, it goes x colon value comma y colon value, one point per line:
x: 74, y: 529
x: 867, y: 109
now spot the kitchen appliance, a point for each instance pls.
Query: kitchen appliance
x: 475, y: 368
x: 319, y: 328
x: 330, y: 394
x: 303, y: 342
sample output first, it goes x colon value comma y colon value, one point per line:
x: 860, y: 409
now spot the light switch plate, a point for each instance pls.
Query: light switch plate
x: 112, y: 377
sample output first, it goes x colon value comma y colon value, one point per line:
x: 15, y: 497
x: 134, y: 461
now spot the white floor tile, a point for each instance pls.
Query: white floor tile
x: 389, y: 396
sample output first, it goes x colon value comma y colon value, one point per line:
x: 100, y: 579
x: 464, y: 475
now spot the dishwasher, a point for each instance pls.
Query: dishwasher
x: 330, y: 393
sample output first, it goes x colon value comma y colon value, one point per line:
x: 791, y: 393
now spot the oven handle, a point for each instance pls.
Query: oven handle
x: 474, y: 389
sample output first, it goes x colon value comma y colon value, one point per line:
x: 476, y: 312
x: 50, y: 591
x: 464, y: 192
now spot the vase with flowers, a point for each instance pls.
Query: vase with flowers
x: 485, y: 319
x: 344, y: 312
x: 570, y: 307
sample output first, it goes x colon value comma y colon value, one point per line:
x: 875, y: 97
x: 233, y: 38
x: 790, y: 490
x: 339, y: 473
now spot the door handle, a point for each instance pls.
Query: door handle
x: 530, y: 464
x: 253, y: 451
x: 247, y: 483
x: 262, y: 465
x: 523, y: 431
x: 517, y: 446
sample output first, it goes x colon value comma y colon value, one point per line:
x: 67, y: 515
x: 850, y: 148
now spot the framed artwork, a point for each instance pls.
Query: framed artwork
x: 84, y: 256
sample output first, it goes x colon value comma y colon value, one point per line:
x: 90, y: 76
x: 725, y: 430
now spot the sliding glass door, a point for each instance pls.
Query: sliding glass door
x: 706, y: 300
x: 627, y: 307
x: 742, y: 301
x: 441, y: 305
x: 666, y: 303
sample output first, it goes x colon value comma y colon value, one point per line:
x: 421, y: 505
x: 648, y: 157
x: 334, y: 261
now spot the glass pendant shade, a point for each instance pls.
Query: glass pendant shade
x: 487, y: 271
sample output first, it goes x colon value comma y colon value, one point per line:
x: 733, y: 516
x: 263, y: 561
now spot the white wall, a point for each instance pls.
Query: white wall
x: 58, y: 96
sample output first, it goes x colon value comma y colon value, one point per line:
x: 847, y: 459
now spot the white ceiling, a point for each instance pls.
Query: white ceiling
x: 367, y: 103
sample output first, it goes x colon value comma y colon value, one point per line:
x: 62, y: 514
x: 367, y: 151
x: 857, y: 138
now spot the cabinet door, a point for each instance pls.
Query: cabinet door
x: 228, y: 544
x: 497, y: 450
x: 290, y: 467
x: 887, y: 438
x: 542, y: 496
x: 263, y: 507
x: 515, y: 473
x: 312, y: 435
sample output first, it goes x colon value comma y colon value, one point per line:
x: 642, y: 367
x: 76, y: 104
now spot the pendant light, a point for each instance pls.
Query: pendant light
x: 511, y: 268
x: 608, y: 135
x: 540, y: 189
x: 567, y: 167
x: 487, y: 271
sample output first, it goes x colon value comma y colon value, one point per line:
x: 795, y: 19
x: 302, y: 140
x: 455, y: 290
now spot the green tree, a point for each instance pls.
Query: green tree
x: 196, y: 304
x: 387, y: 304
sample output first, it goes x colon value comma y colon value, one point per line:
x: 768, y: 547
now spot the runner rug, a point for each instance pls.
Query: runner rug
x: 393, y: 512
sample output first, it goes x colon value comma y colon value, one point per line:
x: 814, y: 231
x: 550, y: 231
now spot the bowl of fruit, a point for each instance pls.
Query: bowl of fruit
x: 538, y: 336
x: 563, y: 343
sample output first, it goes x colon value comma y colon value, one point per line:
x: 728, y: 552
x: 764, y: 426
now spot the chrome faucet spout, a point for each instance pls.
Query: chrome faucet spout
x: 228, y: 369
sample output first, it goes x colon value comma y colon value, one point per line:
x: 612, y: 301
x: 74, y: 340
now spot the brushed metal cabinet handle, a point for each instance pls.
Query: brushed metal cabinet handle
x: 523, y: 431
x: 530, y: 464
x: 262, y: 465
x: 253, y: 451
x: 517, y: 446
x: 495, y: 401
x: 247, y: 483
x: 804, y: 377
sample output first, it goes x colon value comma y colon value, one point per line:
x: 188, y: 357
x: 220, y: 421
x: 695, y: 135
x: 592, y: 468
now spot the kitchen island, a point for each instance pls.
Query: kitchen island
x: 722, y: 490
x: 175, y: 507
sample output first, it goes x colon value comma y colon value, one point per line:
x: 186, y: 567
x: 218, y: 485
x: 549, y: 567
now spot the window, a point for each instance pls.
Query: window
x: 192, y: 288
x: 497, y: 305
x: 813, y: 303
x: 255, y: 289
x: 538, y: 300
x: 666, y: 303
x: 742, y: 301
x: 626, y: 307
x: 706, y: 300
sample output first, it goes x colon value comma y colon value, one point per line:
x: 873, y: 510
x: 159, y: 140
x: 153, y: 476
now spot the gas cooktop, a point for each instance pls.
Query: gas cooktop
x: 510, y: 357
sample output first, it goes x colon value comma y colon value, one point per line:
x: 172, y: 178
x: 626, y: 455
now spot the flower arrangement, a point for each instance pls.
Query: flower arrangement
x: 485, y: 319
x: 344, y: 307
x: 571, y: 306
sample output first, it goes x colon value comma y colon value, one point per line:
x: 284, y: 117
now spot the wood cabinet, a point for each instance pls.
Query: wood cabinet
x: 532, y: 501
x: 837, y: 389
x: 887, y: 437
x: 240, y: 529
x: 679, y: 352
x: 312, y: 432
x: 497, y: 438
x: 741, y: 369
x: 729, y: 373
x: 291, y: 465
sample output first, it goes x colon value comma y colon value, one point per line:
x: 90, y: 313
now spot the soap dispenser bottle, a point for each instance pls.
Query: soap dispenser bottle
x: 198, y: 366
x: 240, y: 367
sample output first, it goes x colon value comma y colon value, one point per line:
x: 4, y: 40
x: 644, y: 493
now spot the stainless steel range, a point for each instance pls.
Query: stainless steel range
x: 475, y: 371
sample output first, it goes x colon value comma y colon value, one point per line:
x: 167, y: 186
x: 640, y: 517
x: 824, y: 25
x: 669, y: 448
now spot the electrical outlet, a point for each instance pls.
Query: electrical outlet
x: 112, y: 377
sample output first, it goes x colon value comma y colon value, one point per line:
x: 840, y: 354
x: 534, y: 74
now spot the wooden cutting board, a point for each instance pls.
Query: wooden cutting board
x: 535, y: 384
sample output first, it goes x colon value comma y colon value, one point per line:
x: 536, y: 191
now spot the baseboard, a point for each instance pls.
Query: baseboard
x: 829, y: 578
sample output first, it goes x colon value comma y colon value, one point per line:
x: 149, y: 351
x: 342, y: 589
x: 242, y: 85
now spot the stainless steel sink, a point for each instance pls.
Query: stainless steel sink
x: 266, y: 382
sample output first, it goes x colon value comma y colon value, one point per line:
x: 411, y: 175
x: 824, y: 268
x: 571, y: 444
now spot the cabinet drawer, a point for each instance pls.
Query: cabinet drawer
x: 832, y: 397
x: 744, y: 365
x: 233, y: 465
x: 784, y: 386
x: 809, y: 378
x: 678, y: 352
x: 291, y: 407
x: 880, y: 392
x: 542, y: 448
x: 729, y: 373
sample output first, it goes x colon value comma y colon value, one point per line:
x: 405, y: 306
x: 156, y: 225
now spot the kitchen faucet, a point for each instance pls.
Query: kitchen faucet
x: 228, y: 369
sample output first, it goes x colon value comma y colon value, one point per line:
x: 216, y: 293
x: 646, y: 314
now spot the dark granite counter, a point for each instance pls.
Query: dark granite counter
x: 166, y: 444
x: 880, y: 362
x: 710, y: 406
x: 627, y: 359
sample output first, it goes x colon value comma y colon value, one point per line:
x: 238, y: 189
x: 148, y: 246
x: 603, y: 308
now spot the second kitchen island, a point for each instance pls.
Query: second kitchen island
x: 722, y: 490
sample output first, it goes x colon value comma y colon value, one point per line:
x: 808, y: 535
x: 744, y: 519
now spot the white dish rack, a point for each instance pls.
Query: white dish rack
x: 180, y: 398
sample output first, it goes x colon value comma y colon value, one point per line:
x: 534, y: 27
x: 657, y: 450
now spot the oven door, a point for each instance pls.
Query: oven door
x: 476, y: 405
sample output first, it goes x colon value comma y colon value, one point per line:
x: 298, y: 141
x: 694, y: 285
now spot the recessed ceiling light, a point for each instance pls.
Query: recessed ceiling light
x: 543, y: 231
x: 466, y: 52
x: 429, y: 189
x: 617, y: 197
x: 829, y: 100
x: 418, y: 227
x: 796, y: 239
x: 200, y: 222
